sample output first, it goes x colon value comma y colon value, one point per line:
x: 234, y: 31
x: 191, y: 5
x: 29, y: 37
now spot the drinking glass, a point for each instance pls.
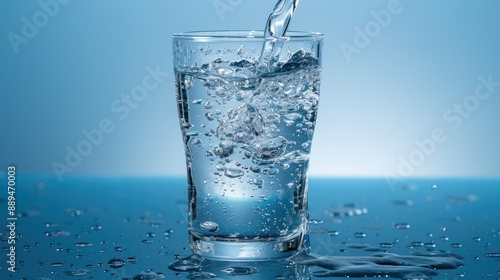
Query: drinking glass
x: 247, y: 129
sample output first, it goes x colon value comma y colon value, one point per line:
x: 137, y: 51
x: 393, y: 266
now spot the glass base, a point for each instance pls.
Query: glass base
x: 235, y: 250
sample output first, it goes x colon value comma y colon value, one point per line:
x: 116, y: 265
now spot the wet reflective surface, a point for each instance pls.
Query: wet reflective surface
x: 135, y: 228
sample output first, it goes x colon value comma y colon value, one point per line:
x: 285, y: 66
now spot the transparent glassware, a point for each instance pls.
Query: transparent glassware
x: 247, y: 130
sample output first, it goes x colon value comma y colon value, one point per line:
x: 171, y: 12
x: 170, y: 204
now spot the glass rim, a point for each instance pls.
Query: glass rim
x: 243, y: 35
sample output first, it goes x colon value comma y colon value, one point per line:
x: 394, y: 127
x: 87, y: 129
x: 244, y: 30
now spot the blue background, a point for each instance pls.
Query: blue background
x: 375, y: 103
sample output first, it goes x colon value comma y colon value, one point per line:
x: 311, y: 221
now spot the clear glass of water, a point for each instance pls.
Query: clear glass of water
x: 247, y: 132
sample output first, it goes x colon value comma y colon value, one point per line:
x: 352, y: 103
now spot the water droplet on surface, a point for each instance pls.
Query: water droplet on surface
x: 358, y: 246
x: 61, y: 233
x: 315, y: 222
x: 333, y: 233
x: 430, y: 245
x: 84, y: 244
x: 132, y: 259
x: 116, y: 263
x: 209, y: 226
x: 76, y: 213
x: 77, y: 272
x: 492, y: 255
x: 96, y: 227
x: 191, y: 263
x: 385, y: 245
x: 237, y: 270
x: 402, y: 226
x: 360, y: 235
x: 143, y: 275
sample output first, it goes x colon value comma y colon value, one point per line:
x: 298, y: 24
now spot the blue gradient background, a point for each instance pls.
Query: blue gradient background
x: 373, y: 108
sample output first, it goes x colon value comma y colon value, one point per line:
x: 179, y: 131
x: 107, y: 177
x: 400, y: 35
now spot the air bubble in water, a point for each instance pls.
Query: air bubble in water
x: 209, y: 226
x: 209, y: 104
x: 116, y: 263
x: 234, y: 172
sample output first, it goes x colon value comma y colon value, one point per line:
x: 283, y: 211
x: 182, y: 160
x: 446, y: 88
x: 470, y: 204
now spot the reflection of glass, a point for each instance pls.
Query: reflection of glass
x: 419, y: 266
x: 198, y: 268
x: 247, y: 135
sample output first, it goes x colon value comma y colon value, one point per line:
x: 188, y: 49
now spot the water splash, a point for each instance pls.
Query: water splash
x: 417, y: 266
x: 276, y: 27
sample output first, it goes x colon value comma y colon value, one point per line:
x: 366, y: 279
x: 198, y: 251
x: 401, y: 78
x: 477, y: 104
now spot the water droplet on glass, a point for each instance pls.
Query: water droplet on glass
x: 116, y: 263
x: 209, y: 226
